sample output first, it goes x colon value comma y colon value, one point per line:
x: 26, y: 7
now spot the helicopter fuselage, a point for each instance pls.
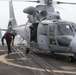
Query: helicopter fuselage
x: 57, y: 36
x: 52, y: 35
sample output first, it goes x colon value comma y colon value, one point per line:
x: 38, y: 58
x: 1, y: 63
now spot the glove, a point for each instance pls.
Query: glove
x: 2, y: 43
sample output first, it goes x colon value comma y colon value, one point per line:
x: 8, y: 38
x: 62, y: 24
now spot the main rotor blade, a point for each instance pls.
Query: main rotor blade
x: 58, y: 2
x: 33, y: 1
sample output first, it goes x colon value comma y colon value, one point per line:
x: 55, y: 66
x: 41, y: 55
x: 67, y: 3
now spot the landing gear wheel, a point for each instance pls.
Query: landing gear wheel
x: 27, y: 50
x: 71, y: 59
x: 52, y: 52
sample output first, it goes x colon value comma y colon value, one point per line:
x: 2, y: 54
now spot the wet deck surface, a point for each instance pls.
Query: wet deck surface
x: 12, y: 64
x: 19, y: 63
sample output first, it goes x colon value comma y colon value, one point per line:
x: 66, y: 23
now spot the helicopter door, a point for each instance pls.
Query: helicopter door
x: 52, y: 35
x: 53, y: 45
x: 42, y: 38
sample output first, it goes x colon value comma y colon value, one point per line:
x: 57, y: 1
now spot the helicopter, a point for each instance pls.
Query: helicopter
x: 45, y: 30
x: 48, y: 31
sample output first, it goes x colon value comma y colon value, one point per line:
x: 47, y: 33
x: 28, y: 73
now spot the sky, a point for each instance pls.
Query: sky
x: 67, y: 12
x: 18, y: 9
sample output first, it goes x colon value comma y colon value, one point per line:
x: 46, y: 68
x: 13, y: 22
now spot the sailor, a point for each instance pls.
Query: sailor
x: 8, y: 36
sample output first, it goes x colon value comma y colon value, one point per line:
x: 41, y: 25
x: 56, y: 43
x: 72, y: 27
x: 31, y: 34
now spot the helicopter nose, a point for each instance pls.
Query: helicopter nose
x: 73, y: 46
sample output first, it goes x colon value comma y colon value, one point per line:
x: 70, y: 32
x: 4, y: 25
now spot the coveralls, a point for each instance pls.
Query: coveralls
x: 8, y: 37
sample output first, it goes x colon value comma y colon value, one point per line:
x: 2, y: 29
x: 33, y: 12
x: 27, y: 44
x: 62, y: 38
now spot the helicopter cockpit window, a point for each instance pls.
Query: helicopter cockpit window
x: 64, y: 29
x: 74, y: 26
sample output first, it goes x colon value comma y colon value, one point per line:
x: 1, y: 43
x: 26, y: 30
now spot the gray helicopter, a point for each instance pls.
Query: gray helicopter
x: 45, y: 30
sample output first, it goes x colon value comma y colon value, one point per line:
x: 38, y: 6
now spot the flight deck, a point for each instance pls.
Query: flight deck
x: 19, y: 63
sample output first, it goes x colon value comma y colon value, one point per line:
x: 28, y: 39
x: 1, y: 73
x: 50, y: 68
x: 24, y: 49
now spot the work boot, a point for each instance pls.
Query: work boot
x: 9, y: 52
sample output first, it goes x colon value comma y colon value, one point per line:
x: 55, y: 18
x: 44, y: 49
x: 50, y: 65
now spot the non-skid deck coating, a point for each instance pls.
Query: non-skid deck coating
x: 12, y: 64
x: 17, y: 64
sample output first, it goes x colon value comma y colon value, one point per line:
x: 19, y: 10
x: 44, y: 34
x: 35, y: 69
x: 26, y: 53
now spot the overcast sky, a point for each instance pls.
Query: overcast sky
x: 67, y: 12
